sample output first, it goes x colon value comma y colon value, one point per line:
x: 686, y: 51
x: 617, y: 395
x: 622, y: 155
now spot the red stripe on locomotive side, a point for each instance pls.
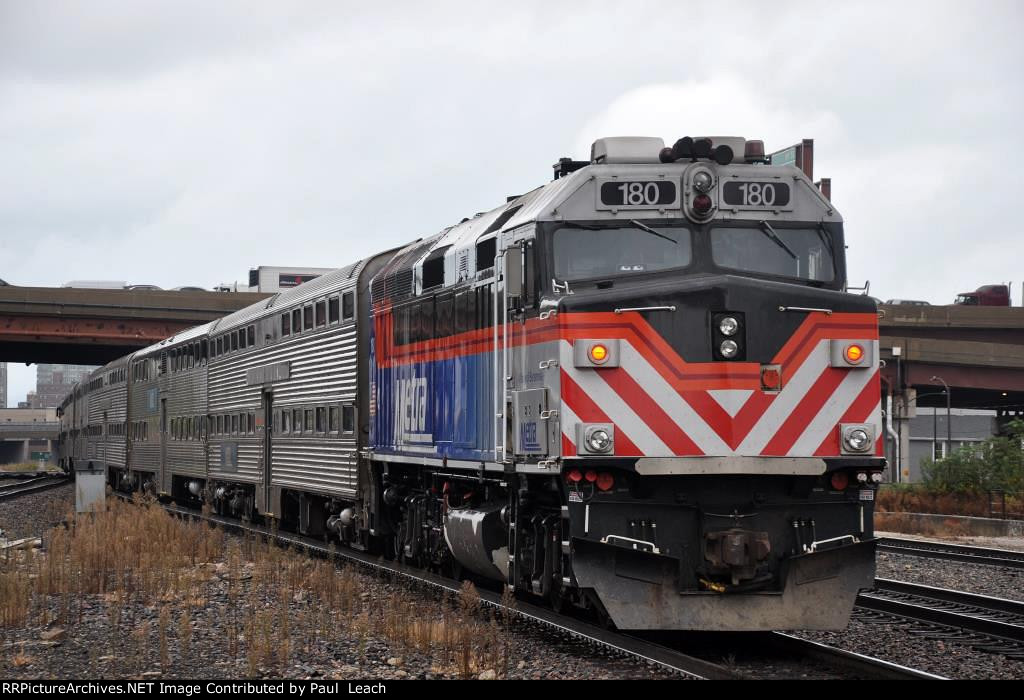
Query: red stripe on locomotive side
x: 568, y: 449
x: 748, y: 416
x: 858, y: 412
x: 589, y: 412
x: 652, y: 414
x: 804, y: 412
x: 717, y: 418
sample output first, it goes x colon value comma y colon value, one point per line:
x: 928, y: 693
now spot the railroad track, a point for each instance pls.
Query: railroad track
x: 953, y: 552
x: 21, y: 488
x: 592, y: 635
x: 613, y: 642
x: 989, y: 624
x: 858, y: 665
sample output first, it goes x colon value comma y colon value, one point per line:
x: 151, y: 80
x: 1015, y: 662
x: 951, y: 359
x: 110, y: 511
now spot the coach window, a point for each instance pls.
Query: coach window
x: 348, y: 419
x: 286, y: 325
x: 332, y: 310
x: 242, y: 338
x: 296, y: 420
x: 348, y: 306
x: 219, y: 348
x: 252, y: 336
x: 283, y: 422
x: 297, y: 321
x: 234, y: 424
x: 307, y: 317
x: 204, y: 351
x: 321, y: 419
x: 335, y: 419
x: 234, y: 341
x: 321, y: 313
x: 220, y: 425
x: 252, y: 423
x: 308, y: 426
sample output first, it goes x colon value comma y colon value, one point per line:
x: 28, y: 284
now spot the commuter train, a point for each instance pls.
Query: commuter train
x: 640, y: 389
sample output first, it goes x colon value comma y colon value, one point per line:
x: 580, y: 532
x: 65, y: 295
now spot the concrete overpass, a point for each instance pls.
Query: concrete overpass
x: 977, y: 350
x: 95, y: 326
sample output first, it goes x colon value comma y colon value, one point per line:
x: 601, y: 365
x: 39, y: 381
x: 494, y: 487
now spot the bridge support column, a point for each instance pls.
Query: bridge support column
x: 905, y: 408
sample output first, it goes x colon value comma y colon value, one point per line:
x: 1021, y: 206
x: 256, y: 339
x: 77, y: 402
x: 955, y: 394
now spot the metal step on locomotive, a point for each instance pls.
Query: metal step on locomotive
x: 640, y: 388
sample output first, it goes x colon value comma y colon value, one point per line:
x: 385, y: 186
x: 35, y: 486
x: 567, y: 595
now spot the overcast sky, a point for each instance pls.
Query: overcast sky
x: 184, y: 142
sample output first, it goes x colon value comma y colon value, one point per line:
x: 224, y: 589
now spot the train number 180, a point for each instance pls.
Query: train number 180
x: 756, y: 194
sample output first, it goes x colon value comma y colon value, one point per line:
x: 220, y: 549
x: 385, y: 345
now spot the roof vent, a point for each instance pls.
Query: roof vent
x: 627, y: 149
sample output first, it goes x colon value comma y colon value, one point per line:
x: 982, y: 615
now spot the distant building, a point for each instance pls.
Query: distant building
x: 928, y: 434
x: 54, y: 382
x: 3, y: 385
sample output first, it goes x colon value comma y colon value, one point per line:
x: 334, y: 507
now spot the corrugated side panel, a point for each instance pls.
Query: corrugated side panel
x: 144, y: 455
x: 322, y: 370
x: 186, y: 395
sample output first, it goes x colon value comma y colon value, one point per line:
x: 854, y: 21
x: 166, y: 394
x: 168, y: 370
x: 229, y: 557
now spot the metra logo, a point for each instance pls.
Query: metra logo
x: 528, y: 436
x: 411, y: 410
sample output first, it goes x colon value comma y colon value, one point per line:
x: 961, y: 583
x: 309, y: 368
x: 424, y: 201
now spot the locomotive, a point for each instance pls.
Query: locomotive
x: 640, y: 389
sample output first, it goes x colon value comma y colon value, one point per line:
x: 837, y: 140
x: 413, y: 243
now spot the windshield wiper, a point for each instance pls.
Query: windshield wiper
x: 767, y: 229
x: 826, y: 239
x: 645, y: 227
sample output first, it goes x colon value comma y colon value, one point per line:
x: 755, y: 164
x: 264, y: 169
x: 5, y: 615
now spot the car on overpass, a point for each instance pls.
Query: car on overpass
x: 907, y: 302
x: 96, y: 284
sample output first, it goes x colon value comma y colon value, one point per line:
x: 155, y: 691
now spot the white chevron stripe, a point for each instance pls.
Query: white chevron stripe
x: 794, y: 390
x: 875, y: 419
x: 731, y: 400
x: 691, y: 422
x: 568, y: 421
x: 617, y: 410
x: 836, y: 405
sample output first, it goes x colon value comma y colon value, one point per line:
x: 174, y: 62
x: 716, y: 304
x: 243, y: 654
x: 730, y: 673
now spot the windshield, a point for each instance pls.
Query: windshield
x: 800, y: 253
x: 584, y: 252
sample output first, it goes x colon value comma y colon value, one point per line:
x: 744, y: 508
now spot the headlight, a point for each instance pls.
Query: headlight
x: 858, y: 440
x: 599, y: 440
x: 728, y: 348
x: 728, y: 326
x: 702, y: 181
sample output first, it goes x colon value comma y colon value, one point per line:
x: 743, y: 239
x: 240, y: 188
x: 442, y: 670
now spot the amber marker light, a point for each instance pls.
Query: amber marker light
x: 598, y: 354
x: 854, y: 354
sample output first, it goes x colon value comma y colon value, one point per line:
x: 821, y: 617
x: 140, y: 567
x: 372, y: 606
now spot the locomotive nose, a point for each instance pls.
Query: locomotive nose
x: 716, y: 318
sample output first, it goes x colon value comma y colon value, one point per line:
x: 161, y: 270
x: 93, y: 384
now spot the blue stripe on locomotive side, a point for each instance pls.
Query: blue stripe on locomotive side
x: 441, y: 408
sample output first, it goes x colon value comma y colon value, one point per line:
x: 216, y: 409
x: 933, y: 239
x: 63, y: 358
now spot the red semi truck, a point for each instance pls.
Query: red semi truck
x: 986, y: 295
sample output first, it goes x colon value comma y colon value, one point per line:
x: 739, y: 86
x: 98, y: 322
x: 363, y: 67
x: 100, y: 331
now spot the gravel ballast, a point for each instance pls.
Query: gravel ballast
x: 260, y: 612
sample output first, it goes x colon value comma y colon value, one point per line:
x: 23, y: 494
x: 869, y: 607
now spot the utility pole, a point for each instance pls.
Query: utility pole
x: 949, y: 425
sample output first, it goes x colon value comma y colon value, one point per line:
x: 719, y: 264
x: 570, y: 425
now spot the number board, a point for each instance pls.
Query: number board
x: 637, y: 194
x: 763, y: 195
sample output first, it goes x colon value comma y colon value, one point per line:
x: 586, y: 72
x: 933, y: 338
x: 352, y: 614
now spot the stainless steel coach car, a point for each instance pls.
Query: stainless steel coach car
x: 640, y: 389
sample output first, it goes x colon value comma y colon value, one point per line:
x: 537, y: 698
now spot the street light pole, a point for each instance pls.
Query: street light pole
x: 949, y: 425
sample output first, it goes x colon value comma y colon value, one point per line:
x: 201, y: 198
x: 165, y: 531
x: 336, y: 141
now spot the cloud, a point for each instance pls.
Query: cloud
x: 182, y: 143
